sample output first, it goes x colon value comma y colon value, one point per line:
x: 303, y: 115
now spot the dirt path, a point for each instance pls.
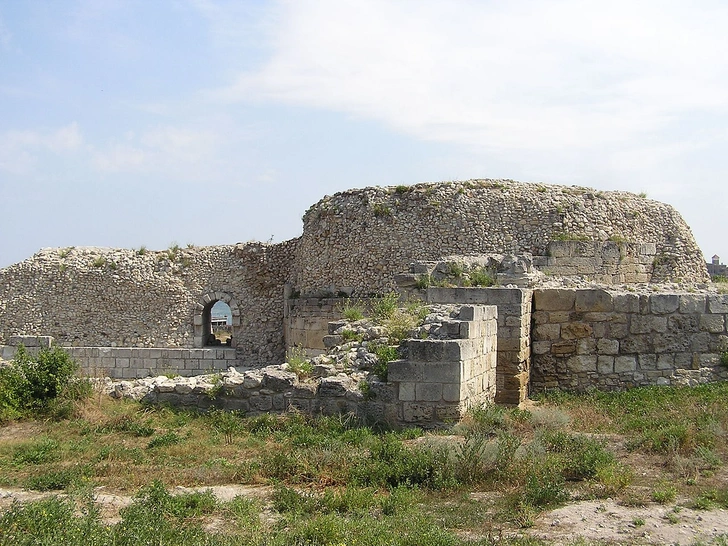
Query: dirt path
x: 653, y: 524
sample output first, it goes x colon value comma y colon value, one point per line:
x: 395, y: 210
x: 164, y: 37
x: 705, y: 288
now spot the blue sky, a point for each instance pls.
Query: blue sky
x: 126, y: 123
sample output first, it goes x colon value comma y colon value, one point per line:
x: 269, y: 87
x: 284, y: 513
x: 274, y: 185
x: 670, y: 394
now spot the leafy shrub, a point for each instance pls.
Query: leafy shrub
x: 31, y: 383
x: 473, y: 462
x: 380, y: 210
x: 351, y: 335
x: 227, y: 423
x: 392, y: 464
x: 582, y: 456
x: 52, y: 521
x: 664, y: 494
x: 613, y: 478
x: 400, y: 324
x: 544, y: 486
x: 481, y: 277
x: 423, y: 281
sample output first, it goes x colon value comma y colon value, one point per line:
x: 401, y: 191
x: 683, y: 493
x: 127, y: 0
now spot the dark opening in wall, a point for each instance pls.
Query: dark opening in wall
x: 216, y: 320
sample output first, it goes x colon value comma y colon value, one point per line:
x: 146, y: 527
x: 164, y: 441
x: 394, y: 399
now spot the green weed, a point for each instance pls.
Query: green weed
x: 297, y: 361
x: 43, y: 451
x: 352, y: 310
x: 169, y: 438
x: 385, y: 306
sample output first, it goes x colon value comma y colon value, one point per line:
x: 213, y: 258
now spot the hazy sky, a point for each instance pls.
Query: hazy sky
x: 126, y: 123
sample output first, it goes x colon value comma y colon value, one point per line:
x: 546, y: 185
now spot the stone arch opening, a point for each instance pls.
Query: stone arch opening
x: 205, y: 325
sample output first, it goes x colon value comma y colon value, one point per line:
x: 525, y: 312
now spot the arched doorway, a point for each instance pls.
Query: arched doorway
x: 216, y: 320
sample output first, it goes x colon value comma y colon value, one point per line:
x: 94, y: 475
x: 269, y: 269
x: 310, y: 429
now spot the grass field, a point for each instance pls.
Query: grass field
x: 334, y: 480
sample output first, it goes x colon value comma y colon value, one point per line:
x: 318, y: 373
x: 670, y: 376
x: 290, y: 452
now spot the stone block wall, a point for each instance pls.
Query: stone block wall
x: 134, y: 362
x: 514, y: 339
x: 441, y: 378
x: 100, y: 297
x: 307, y: 322
x: 586, y: 338
x: 601, y: 261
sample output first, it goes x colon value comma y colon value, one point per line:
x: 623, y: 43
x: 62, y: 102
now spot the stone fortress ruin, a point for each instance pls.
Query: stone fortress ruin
x: 593, y: 289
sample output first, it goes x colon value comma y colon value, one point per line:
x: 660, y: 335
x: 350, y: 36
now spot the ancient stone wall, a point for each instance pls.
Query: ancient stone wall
x: 615, y: 340
x: 354, y: 242
x: 362, y: 238
x: 433, y: 386
x: 91, y: 297
x: 514, y: 339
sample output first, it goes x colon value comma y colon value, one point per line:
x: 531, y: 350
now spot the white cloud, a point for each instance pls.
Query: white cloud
x: 499, y: 76
x: 177, y: 151
x: 19, y: 150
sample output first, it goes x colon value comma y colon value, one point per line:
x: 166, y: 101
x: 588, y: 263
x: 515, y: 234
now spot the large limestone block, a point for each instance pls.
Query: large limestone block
x: 593, y: 300
x: 554, y: 299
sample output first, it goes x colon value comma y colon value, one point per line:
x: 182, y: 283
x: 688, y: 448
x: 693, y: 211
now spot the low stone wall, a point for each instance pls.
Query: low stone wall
x: 606, y: 262
x: 133, y: 362
x: 265, y: 390
x: 514, y: 339
x: 615, y: 340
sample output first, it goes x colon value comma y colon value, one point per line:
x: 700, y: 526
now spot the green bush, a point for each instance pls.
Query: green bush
x: 53, y: 521
x: 31, y: 384
x: 297, y: 361
x: 35, y: 453
x: 581, y: 456
x: 227, y: 423
x: 423, y: 281
x: 481, y: 277
x: 391, y: 464
x: 351, y: 335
